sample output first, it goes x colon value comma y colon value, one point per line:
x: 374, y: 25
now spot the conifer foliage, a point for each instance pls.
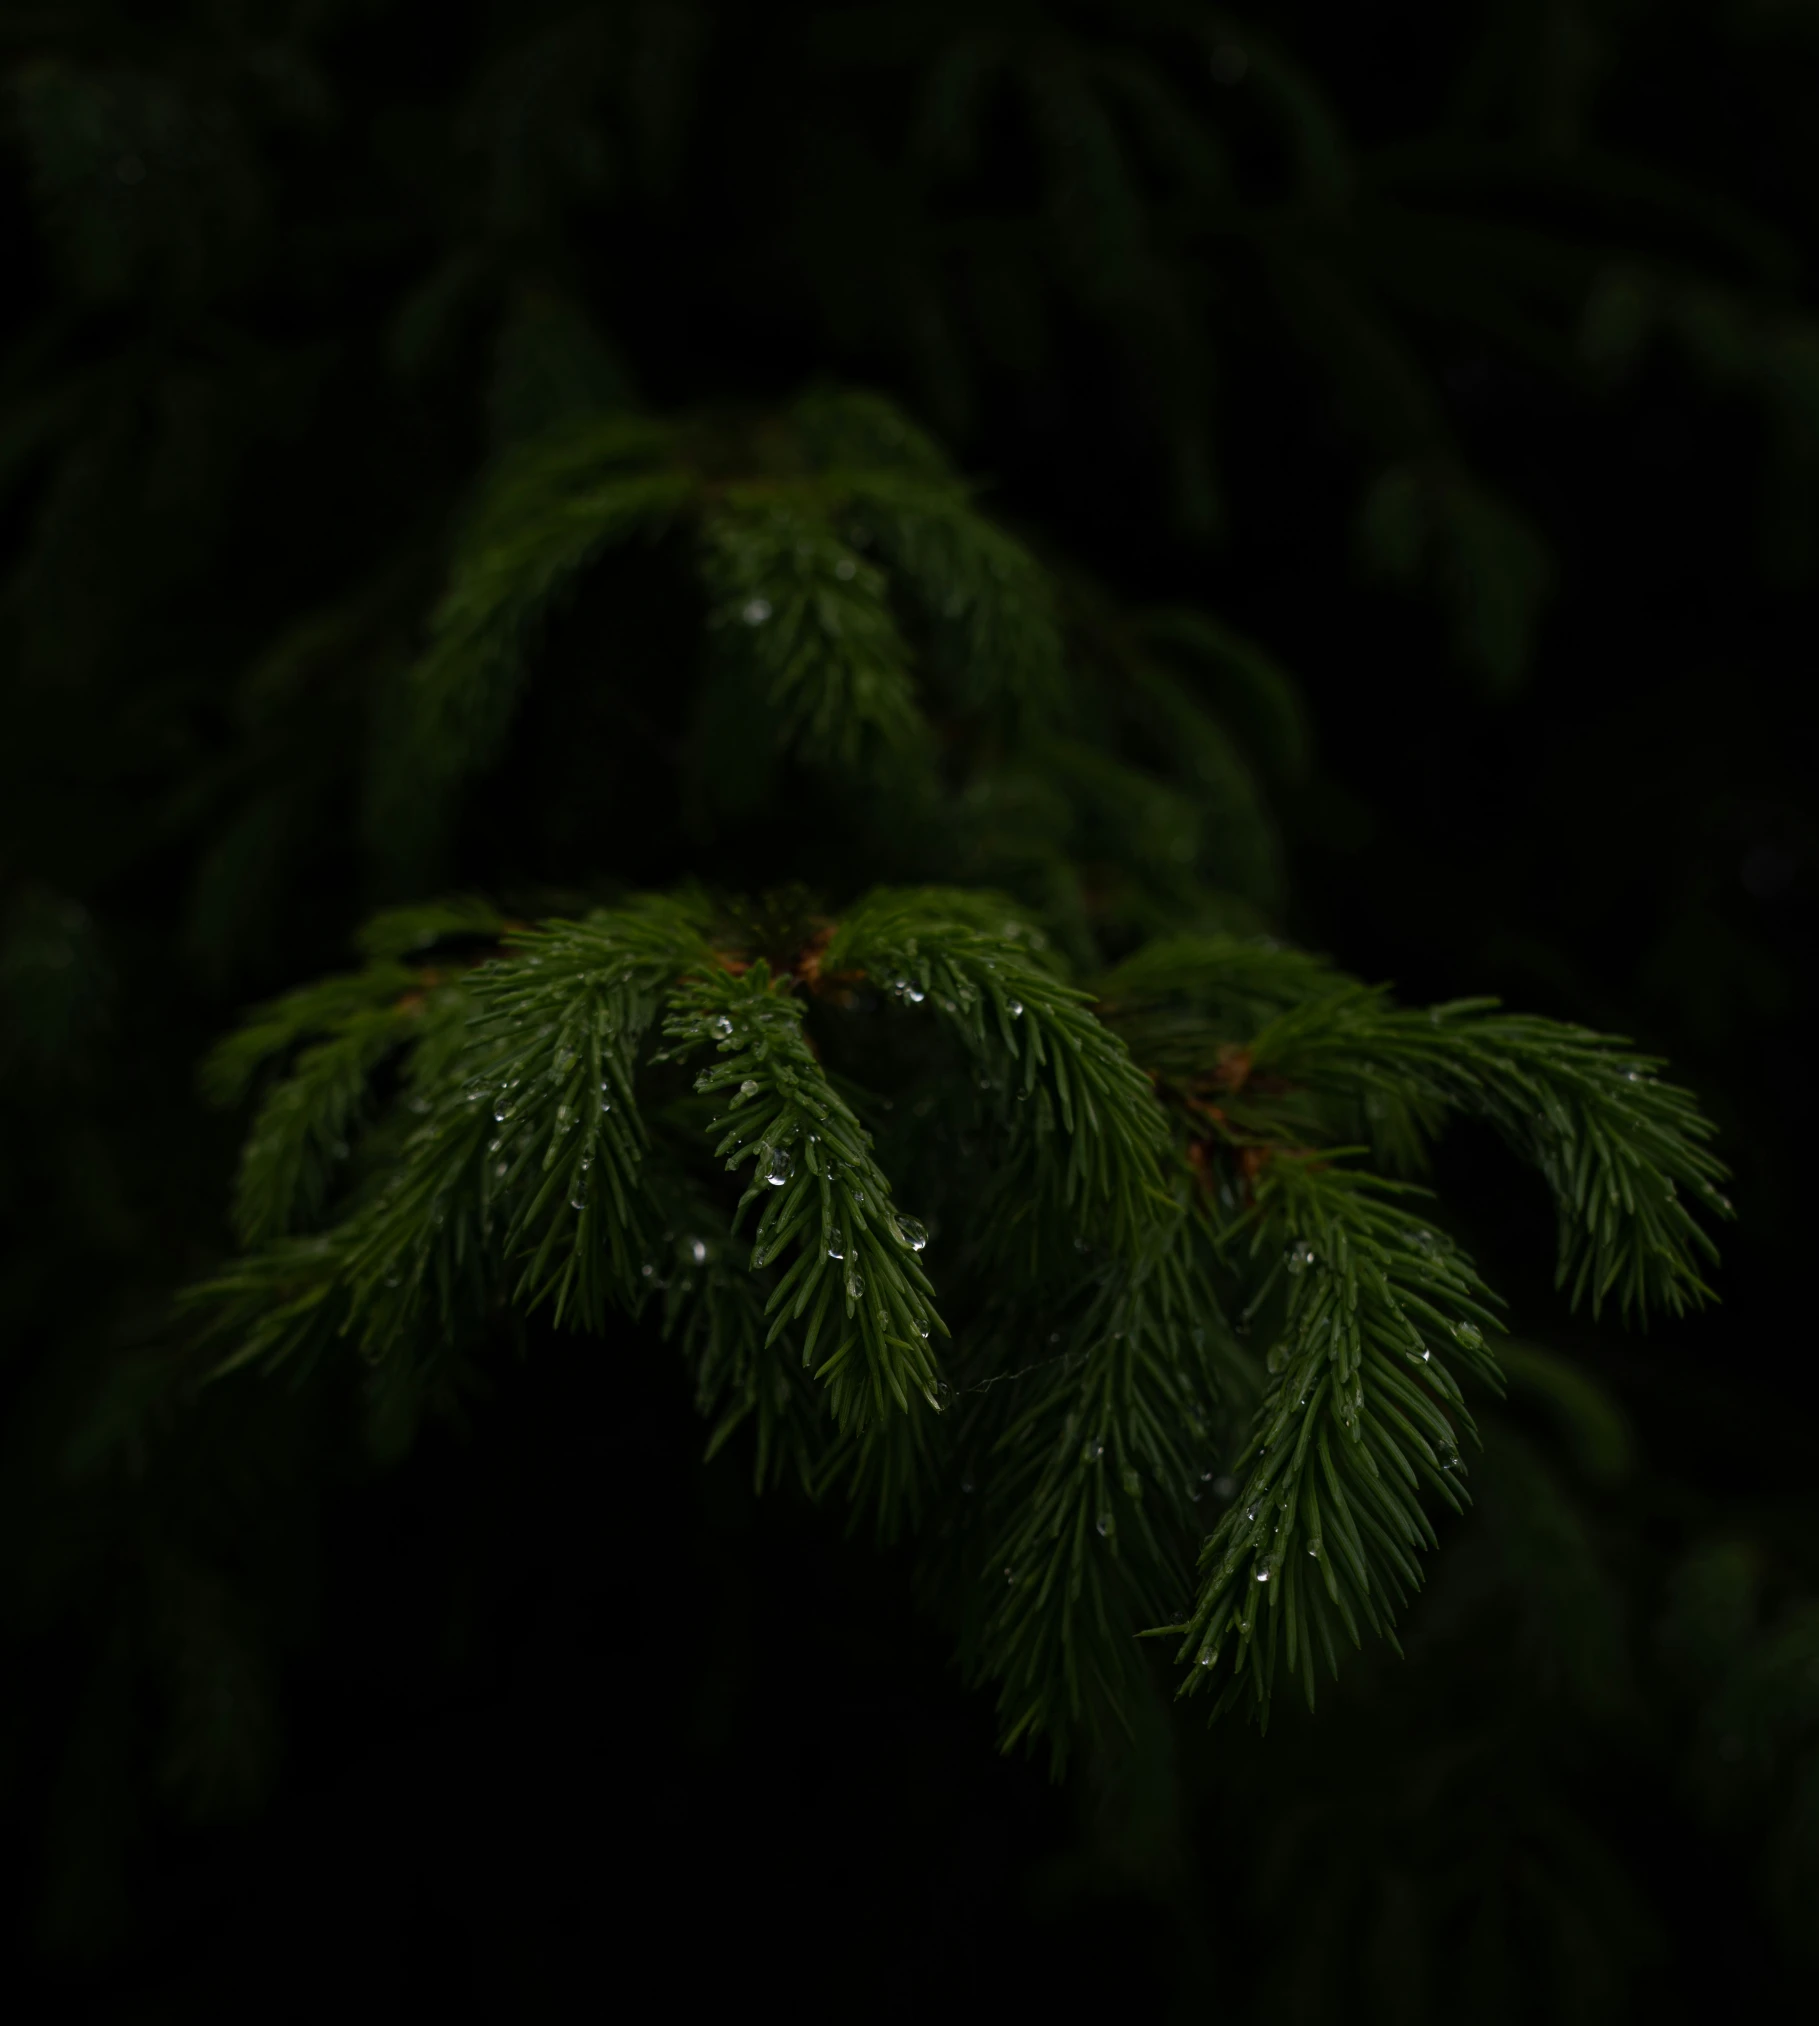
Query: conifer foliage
x: 1005, y: 1244
x: 821, y: 936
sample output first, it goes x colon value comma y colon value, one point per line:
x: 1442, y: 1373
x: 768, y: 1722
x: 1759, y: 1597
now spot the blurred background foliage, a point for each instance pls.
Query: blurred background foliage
x: 1467, y: 359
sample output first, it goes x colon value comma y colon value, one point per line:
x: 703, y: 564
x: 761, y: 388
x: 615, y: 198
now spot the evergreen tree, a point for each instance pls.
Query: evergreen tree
x: 721, y: 889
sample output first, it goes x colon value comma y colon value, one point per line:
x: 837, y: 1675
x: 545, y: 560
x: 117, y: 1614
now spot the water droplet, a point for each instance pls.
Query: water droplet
x: 855, y: 1285
x: 922, y: 1331
x: 777, y: 1170
x: 755, y: 611
x: 1300, y: 1256
x: 1014, y: 1007
x: 1470, y: 1335
x: 1105, y: 1523
x: 1224, y: 1487
x: 1207, y: 1659
x: 1091, y: 1451
x: 749, y: 1088
x: 1313, y: 1547
x: 1250, y: 1512
x: 577, y: 1199
x: 913, y: 1233
x: 647, y: 1269
x: 1263, y: 1575
x: 697, y: 1251
x: 845, y: 568
x: 833, y: 1248
x: 1133, y: 1484
x: 504, y: 1105
x: 723, y: 1026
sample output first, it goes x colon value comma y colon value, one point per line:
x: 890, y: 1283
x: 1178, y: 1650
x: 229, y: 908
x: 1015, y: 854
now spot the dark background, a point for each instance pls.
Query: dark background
x: 552, y: 1709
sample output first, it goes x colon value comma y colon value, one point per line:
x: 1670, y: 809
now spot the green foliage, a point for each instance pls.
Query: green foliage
x: 545, y: 515
x: 1097, y: 1470
x: 854, y: 1273
x: 1075, y: 1121
x: 1613, y: 1142
x: 347, y: 475
x: 814, y: 619
x: 1361, y: 1417
x: 1105, y: 1187
x: 1178, y: 1146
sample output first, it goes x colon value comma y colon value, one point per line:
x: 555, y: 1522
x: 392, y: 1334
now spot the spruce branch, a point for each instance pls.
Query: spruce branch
x: 517, y: 1140
x: 849, y: 429
x: 855, y: 1282
x: 303, y: 1126
x: 1051, y: 1071
x: 517, y: 1169
x: 987, y: 603
x: 1614, y: 1142
x: 274, y: 1030
x: 1362, y: 1415
x: 1181, y: 998
x: 1092, y: 1481
x: 398, y: 933
x: 542, y: 516
x: 814, y: 619
x: 552, y: 1055
x: 280, y: 1305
